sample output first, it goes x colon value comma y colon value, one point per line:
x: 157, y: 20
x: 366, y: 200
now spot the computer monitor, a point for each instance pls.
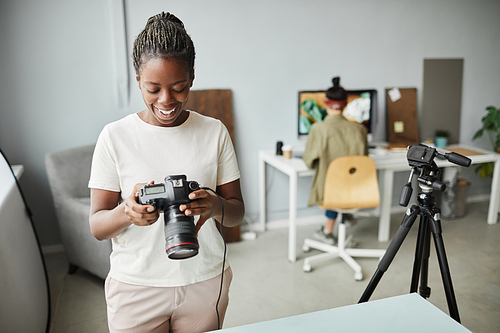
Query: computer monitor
x: 361, y: 108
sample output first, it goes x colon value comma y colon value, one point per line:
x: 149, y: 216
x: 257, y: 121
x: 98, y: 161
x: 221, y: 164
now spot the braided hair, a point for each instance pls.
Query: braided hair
x: 164, y: 37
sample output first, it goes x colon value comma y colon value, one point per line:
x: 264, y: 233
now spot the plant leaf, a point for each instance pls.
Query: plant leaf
x: 488, y: 121
x: 478, y: 134
x: 490, y: 108
x: 497, y: 142
x: 484, y: 170
x: 496, y: 112
x: 491, y: 124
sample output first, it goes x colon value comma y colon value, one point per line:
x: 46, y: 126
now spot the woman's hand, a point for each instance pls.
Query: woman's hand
x: 208, y: 205
x: 205, y: 204
x: 140, y: 215
x: 108, y: 218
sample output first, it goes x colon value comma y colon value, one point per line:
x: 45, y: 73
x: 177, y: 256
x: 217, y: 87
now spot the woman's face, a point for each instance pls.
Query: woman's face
x: 164, y: 86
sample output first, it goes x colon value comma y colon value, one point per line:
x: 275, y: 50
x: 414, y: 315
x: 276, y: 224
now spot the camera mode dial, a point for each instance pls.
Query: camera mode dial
x: 194, y: 186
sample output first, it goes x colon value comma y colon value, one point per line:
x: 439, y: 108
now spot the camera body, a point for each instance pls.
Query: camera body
x: 180, y: 231
x: 174, y: 191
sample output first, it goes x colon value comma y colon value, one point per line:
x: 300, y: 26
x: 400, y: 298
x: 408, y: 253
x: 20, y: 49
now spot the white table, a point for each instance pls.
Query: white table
x: 407, y: 313
x: 387, y: 165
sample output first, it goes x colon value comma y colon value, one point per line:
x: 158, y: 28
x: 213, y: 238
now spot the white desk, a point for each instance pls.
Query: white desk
x: 407, y: 313
x: 387, y: 164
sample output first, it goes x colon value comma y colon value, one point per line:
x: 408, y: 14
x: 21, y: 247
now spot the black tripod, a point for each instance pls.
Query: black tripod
x: 421, y: 159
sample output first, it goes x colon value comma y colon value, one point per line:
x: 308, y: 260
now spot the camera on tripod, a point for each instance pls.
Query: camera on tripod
x: 180, y: 230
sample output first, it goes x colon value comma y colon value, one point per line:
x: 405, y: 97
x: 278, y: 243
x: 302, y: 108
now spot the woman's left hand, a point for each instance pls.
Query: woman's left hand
x: 204, y: 204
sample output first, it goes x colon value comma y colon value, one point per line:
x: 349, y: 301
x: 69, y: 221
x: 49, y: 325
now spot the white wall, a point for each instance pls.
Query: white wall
x: 56, y: 83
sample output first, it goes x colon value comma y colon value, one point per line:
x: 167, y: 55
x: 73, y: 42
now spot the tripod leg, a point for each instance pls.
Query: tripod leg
x: 424, y: 290
x: 421, y: 262
x: 443, y: 266
x: 390, y: 253
x: 419, y: 250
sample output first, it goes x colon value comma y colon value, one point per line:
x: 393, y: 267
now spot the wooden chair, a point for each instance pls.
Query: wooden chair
x: 216, y: 103
x: 351, y: 184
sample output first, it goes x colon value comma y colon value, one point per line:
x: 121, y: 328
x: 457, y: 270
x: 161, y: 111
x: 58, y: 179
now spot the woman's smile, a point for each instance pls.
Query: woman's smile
x: 167, y: 113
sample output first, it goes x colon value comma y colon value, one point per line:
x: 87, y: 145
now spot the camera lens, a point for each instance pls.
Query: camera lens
x: 180, y: 234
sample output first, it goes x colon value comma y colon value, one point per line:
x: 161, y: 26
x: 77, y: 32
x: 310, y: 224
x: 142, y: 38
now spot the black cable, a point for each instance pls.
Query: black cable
x: 224, y: 257
x: 30, y: 215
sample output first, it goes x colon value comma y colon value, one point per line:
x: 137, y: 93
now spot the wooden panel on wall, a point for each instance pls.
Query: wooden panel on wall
x: 216, y: 103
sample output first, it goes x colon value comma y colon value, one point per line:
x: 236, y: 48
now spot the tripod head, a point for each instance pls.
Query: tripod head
x: 421, y: 160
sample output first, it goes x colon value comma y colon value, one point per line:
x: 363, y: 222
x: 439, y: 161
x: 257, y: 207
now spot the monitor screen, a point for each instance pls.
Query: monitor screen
x: 361, y: 107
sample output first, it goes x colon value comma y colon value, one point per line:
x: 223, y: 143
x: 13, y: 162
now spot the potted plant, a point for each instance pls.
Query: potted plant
x: 441, y: 138
x: 491, y: 125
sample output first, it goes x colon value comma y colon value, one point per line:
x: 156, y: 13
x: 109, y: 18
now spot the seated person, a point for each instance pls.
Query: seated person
x: 334, y: 137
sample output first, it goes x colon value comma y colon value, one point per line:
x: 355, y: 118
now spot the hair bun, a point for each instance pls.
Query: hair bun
x: 165, y: 37
x: 336, y: 93
x: 167, y: 17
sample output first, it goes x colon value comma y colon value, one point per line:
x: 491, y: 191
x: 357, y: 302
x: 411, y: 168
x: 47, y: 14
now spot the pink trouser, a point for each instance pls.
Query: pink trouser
x: 191, y: 308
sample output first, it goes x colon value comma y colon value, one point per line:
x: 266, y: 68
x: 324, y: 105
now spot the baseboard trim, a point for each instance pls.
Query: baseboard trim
x: 318, y: 219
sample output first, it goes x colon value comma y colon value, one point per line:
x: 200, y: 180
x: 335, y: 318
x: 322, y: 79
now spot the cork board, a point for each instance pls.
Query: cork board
x: 402, y: 116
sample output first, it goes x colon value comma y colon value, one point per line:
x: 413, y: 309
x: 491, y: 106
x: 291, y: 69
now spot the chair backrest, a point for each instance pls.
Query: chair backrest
x: 69, y: 171
x: 351, y: 182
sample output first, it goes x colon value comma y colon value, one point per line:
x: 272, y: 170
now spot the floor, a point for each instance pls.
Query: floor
x: 266, y: 286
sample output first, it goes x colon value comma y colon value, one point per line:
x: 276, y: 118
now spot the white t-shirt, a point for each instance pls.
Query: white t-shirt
x: 131, y: 151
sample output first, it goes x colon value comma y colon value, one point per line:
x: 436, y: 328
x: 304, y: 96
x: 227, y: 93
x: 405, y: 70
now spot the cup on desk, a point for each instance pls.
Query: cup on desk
x: 287, y: 151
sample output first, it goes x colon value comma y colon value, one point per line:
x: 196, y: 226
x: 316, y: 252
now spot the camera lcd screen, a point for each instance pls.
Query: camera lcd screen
x: 154, y: 189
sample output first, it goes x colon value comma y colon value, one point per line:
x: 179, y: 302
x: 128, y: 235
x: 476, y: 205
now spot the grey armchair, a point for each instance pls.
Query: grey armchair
x: 68, y: 172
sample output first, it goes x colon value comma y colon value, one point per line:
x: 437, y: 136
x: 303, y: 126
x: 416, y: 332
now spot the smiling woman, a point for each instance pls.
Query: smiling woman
x: 160, y: 141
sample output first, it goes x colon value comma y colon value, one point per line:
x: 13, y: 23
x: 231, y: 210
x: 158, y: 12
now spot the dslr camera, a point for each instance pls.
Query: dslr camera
x: 180, y: 231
